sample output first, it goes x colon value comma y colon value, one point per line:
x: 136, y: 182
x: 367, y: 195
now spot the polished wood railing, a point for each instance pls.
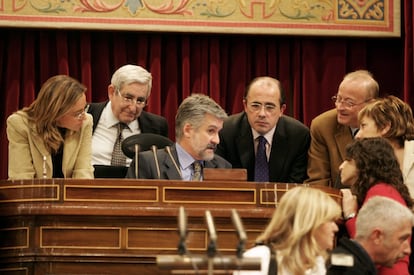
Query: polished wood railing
x: 120, y: 226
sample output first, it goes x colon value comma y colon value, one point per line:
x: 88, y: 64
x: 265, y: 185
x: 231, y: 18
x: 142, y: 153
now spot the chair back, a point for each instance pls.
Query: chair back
x: 145, y: 141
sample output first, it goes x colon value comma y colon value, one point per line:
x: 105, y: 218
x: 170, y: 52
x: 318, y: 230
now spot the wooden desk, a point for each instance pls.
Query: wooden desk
x: 119, y: 226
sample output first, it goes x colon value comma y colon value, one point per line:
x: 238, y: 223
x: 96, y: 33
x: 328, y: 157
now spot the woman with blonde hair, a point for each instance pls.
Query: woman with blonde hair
x: 299, y: 235
x: 52, y: 137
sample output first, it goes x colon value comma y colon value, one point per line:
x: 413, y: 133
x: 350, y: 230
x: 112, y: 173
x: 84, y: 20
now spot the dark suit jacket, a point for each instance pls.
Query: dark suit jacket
x: 363, y: 265
x: 148, y: 122
x: 288, y: 157
x: 147, y: 168
x: 327, y: 149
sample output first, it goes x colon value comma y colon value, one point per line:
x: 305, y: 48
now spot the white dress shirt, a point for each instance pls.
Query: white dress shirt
x: 105, y: 135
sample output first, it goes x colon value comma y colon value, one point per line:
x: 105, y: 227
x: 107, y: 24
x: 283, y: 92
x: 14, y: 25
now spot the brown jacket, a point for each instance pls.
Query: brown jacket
x: 327, y: 148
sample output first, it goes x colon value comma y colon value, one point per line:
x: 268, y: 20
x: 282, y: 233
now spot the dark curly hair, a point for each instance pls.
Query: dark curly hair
x: 377, y: 163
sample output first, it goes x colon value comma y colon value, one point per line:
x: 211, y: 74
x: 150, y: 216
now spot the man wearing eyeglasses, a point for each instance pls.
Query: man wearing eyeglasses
x: 121, y: 117
x: 263, y: 127
x: 331, y: 131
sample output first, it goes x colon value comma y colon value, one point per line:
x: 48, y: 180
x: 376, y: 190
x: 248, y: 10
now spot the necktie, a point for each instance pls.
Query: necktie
x: 197, y: 171
x: 118, y: 157
x: 261, y: 169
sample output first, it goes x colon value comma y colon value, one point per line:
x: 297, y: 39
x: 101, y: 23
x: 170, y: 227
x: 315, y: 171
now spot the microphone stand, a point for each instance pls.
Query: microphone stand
x: 182, y: 227
x: 136, y: 147
x: 212, y: 249
x: 240, y: 232
x: 210, y: 261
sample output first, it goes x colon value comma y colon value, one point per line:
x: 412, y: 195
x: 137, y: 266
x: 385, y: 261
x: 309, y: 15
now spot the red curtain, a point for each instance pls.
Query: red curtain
x: 310, y: 68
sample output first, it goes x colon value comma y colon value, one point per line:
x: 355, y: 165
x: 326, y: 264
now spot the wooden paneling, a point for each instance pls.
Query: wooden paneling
x: 108, y: 226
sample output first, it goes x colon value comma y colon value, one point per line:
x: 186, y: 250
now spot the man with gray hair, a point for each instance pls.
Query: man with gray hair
x: 120, y: 117
x: 198, y: 122
x: 383, y: 232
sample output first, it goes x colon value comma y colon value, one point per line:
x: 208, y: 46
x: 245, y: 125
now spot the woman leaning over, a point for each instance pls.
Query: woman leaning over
x: 371, y: 169
x: 299, y: 235
x: 392, y: 118
x: 52, y: 137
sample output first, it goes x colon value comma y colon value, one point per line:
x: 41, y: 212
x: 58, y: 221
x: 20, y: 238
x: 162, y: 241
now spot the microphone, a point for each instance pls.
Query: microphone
x: 136, y: 147
x: 44, y: 168
x: 238, y: 224
x: 211, y: 251
x: 182, y: 230
x: 168, y: 150
x: 157, y: 166
x: 240, y: 232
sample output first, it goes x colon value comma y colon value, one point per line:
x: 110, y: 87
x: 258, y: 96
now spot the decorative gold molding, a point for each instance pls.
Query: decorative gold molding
x: 14, y: 269
x: 44, y: 229
x: 37, y: 192
x: 206, y: 189
x: 308, y: 17
x: 25, y: 232
x: 71, y: 187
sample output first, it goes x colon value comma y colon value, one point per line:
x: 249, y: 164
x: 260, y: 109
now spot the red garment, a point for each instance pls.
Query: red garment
x: 385, y: 190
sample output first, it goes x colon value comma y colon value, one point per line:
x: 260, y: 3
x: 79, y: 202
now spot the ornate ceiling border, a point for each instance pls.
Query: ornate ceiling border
x: 375, y: 18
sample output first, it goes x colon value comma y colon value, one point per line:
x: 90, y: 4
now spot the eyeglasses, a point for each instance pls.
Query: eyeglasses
x: 81, y: 114
x: 346, y: 102
x: 140, y: 101
x: 257, y: 107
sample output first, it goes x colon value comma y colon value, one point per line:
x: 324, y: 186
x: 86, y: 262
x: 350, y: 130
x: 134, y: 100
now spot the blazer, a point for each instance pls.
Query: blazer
x: 148, y: 122
x: 26, y: 150
x: 408, y: 166
x: 363, y: 265
x: 327, y: 148
x: 147, y: 165
x: 288, y: 156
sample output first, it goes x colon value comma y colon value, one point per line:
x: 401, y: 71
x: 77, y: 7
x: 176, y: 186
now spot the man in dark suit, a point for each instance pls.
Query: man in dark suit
x: 332, y: 130
x: 128, y: 93
x: 383, y: 232
x: 286, y: 139
x: 197, y: 124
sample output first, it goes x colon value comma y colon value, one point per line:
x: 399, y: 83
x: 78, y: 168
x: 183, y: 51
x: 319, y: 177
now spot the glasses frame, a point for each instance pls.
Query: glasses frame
x: 131, y: 101
x: 81, y: 115
x: 257, y: 107
x: 346, y: 103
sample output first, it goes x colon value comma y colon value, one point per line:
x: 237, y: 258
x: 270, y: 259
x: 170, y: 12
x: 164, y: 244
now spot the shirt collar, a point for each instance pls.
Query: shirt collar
x: 109, y: 120
x: 268, y: 135
x: 184, y: 158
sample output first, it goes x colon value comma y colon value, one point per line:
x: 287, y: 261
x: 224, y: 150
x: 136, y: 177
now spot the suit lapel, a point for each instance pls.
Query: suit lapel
x: 343, y: 137
x: 170, y: 170
x: 96, y: 109
x: 245, y: 144
x: 211, y: 163
x: 279, y: 148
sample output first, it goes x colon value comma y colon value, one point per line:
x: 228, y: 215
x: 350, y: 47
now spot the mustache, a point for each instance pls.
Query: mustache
x: 211, y: 146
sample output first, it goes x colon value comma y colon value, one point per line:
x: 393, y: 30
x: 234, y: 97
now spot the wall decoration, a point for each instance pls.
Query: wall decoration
x: 374, y: 18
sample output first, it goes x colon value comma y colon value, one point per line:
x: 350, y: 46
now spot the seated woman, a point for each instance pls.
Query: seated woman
x: 371, y: 169
x: 299, y: 235
x: 52, y: 137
